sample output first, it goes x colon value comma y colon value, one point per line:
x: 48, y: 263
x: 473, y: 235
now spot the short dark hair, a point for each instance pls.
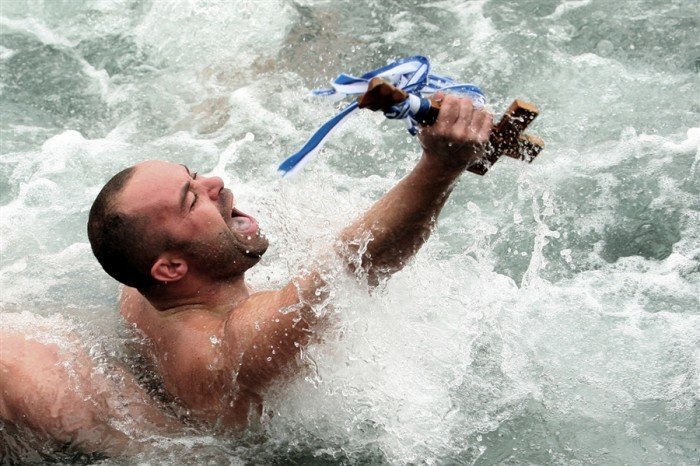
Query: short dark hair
x: 119, y: 241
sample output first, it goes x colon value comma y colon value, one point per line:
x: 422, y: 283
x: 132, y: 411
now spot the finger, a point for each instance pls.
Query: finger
x: 477, y: 120
x: 449, y: 112
x: 486, y: 127
x: 466, y: 110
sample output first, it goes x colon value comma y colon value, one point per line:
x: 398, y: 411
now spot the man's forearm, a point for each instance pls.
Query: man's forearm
x: 397, y: 225
x: 400, y: 222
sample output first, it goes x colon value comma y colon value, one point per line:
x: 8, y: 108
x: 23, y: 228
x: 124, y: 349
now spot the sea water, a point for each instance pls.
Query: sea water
x: 552, y: 318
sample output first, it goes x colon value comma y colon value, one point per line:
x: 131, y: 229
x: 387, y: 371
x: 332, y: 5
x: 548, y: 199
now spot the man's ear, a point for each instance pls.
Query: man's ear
x: 169, y: 268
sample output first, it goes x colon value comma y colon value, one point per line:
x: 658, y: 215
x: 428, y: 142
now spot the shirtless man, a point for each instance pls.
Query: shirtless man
x: 177, y: 241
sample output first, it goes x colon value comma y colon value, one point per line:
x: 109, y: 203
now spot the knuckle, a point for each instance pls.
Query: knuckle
x: 452, y: 100
x: 466, y: 105
x: 461, y: 132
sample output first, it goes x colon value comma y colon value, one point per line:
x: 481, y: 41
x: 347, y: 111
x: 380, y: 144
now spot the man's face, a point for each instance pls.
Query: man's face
x: 197, y: 214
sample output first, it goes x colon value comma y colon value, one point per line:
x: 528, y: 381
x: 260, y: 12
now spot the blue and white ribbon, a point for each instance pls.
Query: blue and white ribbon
x: 410, y: 74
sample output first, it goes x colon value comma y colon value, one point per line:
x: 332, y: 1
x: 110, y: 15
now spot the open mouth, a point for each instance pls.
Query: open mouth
x: 238, y: 221
x: 243, y: 223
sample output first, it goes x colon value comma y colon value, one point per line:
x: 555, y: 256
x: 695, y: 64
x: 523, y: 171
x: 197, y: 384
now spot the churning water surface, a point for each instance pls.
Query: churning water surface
x: 554, y: 315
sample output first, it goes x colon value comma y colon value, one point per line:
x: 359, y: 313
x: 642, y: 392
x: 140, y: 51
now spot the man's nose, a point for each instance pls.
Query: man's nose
x: 213, y: 185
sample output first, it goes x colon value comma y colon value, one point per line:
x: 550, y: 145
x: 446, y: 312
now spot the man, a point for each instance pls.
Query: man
x: 178, y: 242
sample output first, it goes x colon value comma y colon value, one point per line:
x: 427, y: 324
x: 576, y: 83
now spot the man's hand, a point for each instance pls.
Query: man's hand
x: 459, y: 136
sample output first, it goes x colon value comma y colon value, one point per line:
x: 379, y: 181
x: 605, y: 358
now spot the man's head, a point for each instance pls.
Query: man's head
x: 158, y: 223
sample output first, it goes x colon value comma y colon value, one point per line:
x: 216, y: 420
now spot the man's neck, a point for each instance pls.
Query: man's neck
x: 195, y: 293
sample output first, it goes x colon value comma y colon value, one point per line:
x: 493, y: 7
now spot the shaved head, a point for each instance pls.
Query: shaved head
x: 117, y: 239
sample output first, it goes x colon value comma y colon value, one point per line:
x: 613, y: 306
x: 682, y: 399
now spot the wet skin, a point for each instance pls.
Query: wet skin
x: 217, y: 345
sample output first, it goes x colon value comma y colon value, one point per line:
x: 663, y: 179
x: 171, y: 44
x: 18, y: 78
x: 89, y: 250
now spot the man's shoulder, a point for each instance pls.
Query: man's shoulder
x: 259, y: 309
x: 305, y: 289
x: 269, y: 299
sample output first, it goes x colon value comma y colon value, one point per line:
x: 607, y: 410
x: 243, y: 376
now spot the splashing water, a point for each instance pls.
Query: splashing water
x: 552, y: 318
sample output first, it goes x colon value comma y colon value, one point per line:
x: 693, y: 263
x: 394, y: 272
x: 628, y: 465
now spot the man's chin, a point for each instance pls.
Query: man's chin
x: 256, y: 252
x: 228, y: 255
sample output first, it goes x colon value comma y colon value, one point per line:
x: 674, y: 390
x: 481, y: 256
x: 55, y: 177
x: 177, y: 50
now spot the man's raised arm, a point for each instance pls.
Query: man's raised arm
x: 396, y: 226
x: 265, y: 334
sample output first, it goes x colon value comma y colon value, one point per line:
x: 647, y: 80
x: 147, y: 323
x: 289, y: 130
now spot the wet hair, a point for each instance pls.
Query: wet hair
x: 119, y: 241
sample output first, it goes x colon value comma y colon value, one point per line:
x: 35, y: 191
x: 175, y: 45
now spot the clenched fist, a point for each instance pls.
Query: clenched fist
x: 460, y: 134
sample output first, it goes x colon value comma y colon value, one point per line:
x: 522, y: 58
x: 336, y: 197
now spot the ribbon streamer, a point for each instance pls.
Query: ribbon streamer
x: 410, y: 74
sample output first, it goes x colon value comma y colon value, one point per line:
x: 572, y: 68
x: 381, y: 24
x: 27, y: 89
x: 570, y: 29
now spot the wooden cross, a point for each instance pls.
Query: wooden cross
x: 507, y: 137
